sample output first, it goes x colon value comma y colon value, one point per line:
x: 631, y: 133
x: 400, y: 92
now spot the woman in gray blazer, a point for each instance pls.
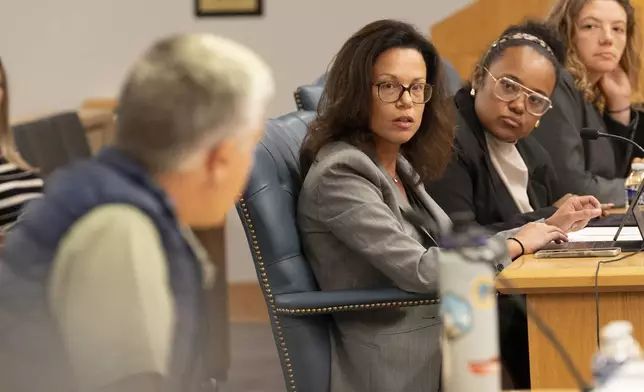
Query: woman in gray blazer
x: 384, y: 126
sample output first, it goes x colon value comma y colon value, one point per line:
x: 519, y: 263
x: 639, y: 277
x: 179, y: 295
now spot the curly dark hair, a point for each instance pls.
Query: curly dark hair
x: 556, y: 55
x: 344, y: 109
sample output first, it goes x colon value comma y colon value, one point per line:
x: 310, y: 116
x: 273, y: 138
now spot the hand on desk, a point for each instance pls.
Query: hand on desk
x: 534, y: 236
x: 575, y: 212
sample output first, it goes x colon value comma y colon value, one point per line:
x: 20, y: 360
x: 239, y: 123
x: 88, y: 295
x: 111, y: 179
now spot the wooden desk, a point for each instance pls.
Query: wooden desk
x: 100, y: 104
x: 561, y: 293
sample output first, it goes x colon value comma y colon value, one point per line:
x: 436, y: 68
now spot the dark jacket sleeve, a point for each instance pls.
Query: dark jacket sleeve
x: 455, y: 193
x: 519, y: 220
x: 559, y: 133
x: 543, y: 175
x: 638, y: 133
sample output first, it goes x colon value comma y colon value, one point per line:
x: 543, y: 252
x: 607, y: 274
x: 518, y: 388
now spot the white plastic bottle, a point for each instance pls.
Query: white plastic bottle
x: 633, y: 181
x: 468, y: 307
x: 617, y: 348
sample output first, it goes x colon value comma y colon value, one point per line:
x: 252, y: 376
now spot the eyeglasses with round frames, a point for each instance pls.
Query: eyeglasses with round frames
x: 507, y: 90
x: 390, y: 92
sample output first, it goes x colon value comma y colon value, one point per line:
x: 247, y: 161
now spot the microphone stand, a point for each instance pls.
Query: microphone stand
x: 593, y: 134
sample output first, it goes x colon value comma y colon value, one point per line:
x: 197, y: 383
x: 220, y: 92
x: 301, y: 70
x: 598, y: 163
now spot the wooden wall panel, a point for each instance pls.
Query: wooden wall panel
x: 463, y: 37
x: 639, y: 8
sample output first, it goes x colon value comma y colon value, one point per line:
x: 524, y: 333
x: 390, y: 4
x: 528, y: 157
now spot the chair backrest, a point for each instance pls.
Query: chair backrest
x: 453, y: 79
x: 52, y: 142
x: 308, y: 96
x: 268, y: 213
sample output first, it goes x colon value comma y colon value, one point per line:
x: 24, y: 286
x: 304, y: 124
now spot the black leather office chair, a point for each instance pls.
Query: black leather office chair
x: 52, y: 142
x: 308, y: 96
x: 299, y: 311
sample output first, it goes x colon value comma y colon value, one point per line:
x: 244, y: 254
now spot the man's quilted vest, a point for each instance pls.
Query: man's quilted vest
x: 31, y: 354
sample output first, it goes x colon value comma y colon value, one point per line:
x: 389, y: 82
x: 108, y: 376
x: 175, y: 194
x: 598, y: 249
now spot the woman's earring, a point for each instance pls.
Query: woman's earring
x: 472, y: 92
x: 536, y: 125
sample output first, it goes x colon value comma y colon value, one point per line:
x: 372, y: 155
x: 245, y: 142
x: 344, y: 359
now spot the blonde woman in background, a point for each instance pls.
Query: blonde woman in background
x: 602, y: 67
x: 18, y: 182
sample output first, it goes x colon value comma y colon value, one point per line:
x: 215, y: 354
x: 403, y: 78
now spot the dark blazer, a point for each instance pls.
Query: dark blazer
x: 595, y: 167
x: 471, y: 183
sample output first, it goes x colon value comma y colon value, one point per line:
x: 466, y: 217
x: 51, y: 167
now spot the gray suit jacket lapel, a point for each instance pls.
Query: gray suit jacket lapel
x: 441, y: 219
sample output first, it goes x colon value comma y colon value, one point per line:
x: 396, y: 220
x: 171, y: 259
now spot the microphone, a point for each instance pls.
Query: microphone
x: 594, y: 134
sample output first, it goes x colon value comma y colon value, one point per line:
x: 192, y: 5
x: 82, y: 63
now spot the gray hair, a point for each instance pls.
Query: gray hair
x: 186, y: 94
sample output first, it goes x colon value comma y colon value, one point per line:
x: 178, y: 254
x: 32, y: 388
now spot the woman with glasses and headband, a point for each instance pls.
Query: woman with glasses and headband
x: 384, y: 126
x: 602, y: 68
x: 499, y: 174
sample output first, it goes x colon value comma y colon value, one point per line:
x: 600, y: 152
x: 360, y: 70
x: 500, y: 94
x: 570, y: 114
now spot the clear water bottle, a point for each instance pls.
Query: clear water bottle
x: 468, y: 308
x: 618, y: 347
x: 633, y: 181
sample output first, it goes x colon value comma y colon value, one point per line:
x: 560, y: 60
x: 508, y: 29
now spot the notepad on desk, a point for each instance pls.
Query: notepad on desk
x: 592, y: 234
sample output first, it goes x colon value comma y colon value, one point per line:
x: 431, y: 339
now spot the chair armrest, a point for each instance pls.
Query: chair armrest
x: 325, y: 302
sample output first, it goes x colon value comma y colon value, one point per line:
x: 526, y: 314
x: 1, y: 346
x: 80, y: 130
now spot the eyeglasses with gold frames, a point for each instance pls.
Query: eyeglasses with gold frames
x: 507, y: 90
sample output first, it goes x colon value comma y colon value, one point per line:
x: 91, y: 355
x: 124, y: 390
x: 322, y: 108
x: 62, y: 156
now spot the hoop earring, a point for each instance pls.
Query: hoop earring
x: 536, y: 125
x: 472, y: 92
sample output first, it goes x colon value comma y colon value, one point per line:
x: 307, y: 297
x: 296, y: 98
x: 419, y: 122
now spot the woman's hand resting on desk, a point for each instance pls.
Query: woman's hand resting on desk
x: 534, y: 236
x: 575, y: 213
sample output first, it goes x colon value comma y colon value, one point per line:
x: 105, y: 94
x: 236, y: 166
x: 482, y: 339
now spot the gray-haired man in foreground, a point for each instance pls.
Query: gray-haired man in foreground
x: 101, y: 283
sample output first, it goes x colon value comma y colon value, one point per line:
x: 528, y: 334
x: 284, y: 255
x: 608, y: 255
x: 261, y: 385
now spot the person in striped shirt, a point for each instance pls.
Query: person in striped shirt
x: 19, y: 183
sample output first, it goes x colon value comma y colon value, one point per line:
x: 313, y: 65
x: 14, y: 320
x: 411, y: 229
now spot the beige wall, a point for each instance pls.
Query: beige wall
x: 61, y: 52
